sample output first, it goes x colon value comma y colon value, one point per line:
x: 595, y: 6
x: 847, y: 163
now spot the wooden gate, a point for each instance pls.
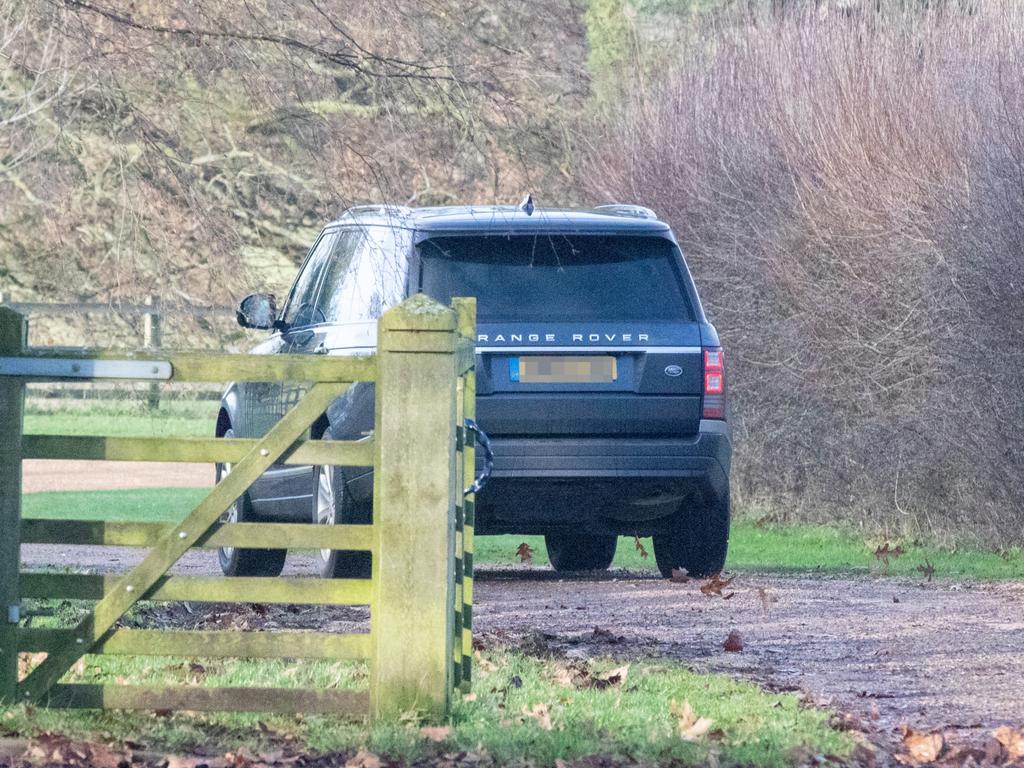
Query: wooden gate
x: 420, y: 595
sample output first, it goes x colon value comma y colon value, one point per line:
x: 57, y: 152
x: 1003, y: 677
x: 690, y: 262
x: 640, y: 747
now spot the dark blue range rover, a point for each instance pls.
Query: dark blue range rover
x: 599, y: 379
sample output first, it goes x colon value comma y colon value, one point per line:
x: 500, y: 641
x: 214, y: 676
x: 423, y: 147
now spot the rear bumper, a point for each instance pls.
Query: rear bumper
x: 602, y: 484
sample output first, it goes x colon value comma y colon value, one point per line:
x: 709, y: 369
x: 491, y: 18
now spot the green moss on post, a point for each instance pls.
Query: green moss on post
x: 412, y: 613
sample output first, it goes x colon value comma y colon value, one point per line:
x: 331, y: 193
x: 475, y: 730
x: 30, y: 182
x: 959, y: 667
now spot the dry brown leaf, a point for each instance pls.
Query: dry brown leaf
x: 525, y: 552
x: 919, y: 748
x: 363, y: 759
x: 574, y: 674
x: 616, y: 677
x: 927, y: 570
x: 715, y: 585
x: 691, y: 727
x: 733, y: 643
x: 436, y: 733
x: 885, y: 553
x: 484, y: 664
x: 539, y: 712
x: 640, y: 547
x: 680, y: 575
x: 1012, y: 741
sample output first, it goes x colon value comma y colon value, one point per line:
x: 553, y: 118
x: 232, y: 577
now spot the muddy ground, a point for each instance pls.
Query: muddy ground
x: 883, y: 651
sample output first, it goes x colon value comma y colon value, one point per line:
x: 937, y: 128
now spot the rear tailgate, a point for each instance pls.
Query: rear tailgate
x: 601, y: 379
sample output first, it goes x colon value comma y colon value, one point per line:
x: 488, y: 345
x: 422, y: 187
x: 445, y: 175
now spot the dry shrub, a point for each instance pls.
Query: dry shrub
x: 849, y: 190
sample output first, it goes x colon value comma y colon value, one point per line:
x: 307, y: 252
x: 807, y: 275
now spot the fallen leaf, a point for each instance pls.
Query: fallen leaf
x: 525, y: 552
x: 539, y: 712
x: 616, y: 677
x: 691, y: 727
x: 919, y: 748
x: 680, y: 575
x: 640, y: 547
x: 733, y: 643
x: 484, y: 664
x: 363, y: 759
x: 1012, y: 741
x: 436, y: 733
x: 886, y: 553
x: 575, y: 674
x: 715, y: 585
x: 927, y: 570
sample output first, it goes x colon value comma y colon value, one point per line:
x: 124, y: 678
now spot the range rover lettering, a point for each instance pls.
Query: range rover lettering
x: 599, y: 379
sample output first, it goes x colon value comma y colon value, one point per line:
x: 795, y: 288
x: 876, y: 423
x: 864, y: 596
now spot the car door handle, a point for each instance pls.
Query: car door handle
x: 320, y: 349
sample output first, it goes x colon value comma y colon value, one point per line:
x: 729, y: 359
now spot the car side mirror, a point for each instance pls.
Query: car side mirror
x: 258, y: 310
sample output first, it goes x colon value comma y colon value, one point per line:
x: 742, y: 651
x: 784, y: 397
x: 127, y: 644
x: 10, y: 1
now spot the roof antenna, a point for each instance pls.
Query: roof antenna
x: 527, y: 205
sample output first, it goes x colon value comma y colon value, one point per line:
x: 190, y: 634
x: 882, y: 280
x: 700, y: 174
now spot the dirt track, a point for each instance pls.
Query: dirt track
x: 38, y: 475
x: 887, y: 651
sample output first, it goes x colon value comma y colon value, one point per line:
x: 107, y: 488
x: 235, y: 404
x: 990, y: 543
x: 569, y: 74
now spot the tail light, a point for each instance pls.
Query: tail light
x: 714, y: 383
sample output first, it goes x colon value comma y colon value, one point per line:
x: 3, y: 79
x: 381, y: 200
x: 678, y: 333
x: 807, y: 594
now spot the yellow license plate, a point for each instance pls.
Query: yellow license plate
x: 575, y: 369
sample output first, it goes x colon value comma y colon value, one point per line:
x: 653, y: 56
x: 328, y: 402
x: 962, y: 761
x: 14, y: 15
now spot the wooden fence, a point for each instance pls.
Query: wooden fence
x: 150, y: 315
x: 420, y: 594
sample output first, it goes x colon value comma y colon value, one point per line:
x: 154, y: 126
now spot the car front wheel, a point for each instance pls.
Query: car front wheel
x: 334, y: 505
x: 245, y: 562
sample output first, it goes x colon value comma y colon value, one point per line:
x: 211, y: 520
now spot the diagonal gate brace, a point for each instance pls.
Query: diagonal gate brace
x: 170, y: 548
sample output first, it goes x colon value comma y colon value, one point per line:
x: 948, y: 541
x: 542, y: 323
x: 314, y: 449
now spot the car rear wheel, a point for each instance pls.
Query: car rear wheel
x: 698, y: 541
x: 572, y: 552
x: 245, y: 562
x: 334, y: 505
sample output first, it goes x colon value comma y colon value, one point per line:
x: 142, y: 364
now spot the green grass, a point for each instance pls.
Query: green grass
x: 155, y: 505
x: 632, y: 720
x: 172, y: 419
x: 795, y: 549
x: 769, y: 548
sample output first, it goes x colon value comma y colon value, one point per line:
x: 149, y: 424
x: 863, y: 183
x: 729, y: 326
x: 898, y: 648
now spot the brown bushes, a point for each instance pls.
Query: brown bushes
x: 849, y: 190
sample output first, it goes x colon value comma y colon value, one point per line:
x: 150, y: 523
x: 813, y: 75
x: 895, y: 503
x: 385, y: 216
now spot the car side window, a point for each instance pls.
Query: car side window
x: 330, y: 301
x: 301, y: 309
x: 367, y: 279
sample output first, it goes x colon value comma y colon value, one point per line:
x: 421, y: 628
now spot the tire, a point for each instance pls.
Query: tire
x: 698, y: 541
x: 571, y: 552
x: 334, y: 505
x: 245, y: 562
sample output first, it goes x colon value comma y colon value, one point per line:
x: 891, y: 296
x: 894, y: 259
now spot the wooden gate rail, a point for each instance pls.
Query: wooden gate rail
x: 420, y: 593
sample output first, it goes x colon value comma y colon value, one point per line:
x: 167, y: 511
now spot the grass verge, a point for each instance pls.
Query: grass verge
x: 766, y: 548
x: 167, y: 422
x: 523, y: 707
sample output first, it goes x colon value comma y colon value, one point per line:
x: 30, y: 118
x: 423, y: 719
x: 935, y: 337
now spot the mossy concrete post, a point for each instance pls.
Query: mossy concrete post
x: 13, y: 333
x: 412, y: 615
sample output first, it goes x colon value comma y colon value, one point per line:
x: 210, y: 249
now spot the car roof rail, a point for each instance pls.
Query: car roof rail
x: 384, y: 209
x: 625, y: 209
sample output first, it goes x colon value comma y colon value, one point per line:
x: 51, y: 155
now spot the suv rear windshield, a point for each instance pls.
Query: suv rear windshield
x: 556, y: 277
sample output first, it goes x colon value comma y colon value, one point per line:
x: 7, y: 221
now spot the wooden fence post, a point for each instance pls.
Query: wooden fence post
x: 151, y: 341
x: 13, y: 333
x: 412, y: 615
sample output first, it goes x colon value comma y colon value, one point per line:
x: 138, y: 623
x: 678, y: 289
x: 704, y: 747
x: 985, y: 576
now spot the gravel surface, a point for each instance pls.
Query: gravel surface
x: 884, y: 651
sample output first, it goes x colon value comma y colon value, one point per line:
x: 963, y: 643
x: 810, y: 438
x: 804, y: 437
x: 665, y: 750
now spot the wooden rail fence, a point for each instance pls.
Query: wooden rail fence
x: 150, y: 312
x: 421, y: 539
